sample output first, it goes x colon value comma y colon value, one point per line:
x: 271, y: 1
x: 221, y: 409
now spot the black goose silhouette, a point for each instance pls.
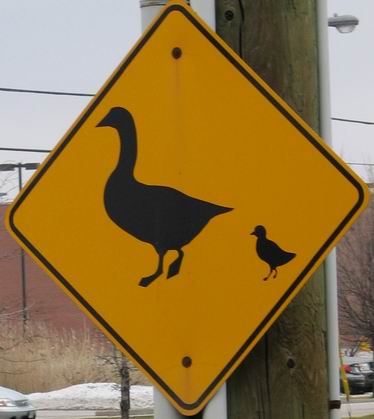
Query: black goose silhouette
x: 164, y: 217
x: 270, y: 252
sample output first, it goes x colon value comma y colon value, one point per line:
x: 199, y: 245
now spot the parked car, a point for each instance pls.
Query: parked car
x: 14, y: 405
x: 360, y: 374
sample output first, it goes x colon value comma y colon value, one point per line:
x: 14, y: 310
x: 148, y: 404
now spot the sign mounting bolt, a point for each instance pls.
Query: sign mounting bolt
x: 176, y: 53
x: 187, y: 362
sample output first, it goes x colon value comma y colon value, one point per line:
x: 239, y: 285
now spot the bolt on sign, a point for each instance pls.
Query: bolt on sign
x: 185, y: 208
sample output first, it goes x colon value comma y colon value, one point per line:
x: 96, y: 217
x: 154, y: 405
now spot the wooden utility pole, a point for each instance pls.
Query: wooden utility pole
x: 285, y: 376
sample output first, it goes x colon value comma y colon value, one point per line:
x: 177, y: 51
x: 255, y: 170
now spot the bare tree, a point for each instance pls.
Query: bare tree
x: 6, y: 186
x: 121, y: 367
x: 355, y: 255
x: 123, y: 371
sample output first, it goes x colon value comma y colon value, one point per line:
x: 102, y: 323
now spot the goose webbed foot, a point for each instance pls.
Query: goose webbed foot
x: 176, y: 265
x: 144, y: 282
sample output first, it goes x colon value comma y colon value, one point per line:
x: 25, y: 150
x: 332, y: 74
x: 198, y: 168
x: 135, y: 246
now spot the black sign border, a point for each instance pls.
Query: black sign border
x: 282, y: 110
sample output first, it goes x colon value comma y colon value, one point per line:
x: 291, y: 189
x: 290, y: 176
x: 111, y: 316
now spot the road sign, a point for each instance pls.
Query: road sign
x: 186, y: 207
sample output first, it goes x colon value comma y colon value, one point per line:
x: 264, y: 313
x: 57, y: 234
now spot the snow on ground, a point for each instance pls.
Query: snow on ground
x: 93, y: 396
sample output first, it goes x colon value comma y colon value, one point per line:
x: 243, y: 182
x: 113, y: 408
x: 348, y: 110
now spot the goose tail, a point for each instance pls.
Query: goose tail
x: 222, y: 210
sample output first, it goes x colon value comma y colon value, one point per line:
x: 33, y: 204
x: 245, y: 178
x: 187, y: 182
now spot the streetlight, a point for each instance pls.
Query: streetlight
x: 343, y: 23
x: 10, y: 167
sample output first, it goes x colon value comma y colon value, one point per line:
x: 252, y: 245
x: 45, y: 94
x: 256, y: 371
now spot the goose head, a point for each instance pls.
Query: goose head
x: 259, y: 231
x: 116, y: 118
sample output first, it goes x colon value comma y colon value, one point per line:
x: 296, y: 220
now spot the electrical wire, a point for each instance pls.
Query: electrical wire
x: 359, y: 164
x: 45, y: 92
x: 40, y: 92
x: 353, y: 121
x: 59, y: 93
x: 37, y: 150
x: 30, y: 150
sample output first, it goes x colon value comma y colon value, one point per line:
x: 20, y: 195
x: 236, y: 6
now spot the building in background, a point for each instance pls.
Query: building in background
x: 46, y: 302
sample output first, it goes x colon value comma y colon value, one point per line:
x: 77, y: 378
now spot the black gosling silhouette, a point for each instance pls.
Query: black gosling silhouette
x: 162, y: 216
x: 270, y: 252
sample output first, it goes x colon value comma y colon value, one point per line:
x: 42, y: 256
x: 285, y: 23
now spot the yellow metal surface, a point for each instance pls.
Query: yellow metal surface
x: 208, y: 127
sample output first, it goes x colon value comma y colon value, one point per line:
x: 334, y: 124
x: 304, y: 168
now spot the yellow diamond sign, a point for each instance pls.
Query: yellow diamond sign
x: 185, y: 208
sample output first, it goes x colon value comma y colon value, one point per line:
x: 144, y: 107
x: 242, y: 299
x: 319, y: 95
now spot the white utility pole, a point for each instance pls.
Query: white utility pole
x: 217, y: 407
x: 330, y: 263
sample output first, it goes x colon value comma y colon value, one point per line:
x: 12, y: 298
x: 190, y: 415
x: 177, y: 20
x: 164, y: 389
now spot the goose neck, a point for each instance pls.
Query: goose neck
x: 128, y: 150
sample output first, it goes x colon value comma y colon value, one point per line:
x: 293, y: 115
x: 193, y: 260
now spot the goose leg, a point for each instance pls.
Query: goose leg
x: 276, y: 273
x: 176, y: 265
x: 149, y: 279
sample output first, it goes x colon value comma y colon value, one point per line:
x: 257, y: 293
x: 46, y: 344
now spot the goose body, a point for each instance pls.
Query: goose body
x: 162, y: 216
x: 270, y: 252
x: 159, y: 215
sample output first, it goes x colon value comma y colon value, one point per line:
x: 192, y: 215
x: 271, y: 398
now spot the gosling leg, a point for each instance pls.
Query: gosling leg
x: 271, y: 271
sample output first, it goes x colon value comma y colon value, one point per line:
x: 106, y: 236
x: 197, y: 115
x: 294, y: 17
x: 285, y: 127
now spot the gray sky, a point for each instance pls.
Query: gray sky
x: 58, y: 45
x: 66, y: 45
x: 352, y: 82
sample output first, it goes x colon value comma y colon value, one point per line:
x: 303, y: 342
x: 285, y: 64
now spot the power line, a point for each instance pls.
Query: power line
x: 37, y: 150
x: 30, y: 150
x: 45, y: 92
x: 59, y: 93
x: 360, y: 164
x: 354, y: 121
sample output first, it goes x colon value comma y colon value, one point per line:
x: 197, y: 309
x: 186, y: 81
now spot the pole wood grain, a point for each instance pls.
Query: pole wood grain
x: 285, y: 376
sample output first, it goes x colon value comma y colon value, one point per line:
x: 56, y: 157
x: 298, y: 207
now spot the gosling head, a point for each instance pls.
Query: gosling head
x: 259, y: 231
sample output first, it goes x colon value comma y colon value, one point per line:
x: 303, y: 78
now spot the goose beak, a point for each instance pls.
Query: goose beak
x: 103, y: 123
x: 252, y: 234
